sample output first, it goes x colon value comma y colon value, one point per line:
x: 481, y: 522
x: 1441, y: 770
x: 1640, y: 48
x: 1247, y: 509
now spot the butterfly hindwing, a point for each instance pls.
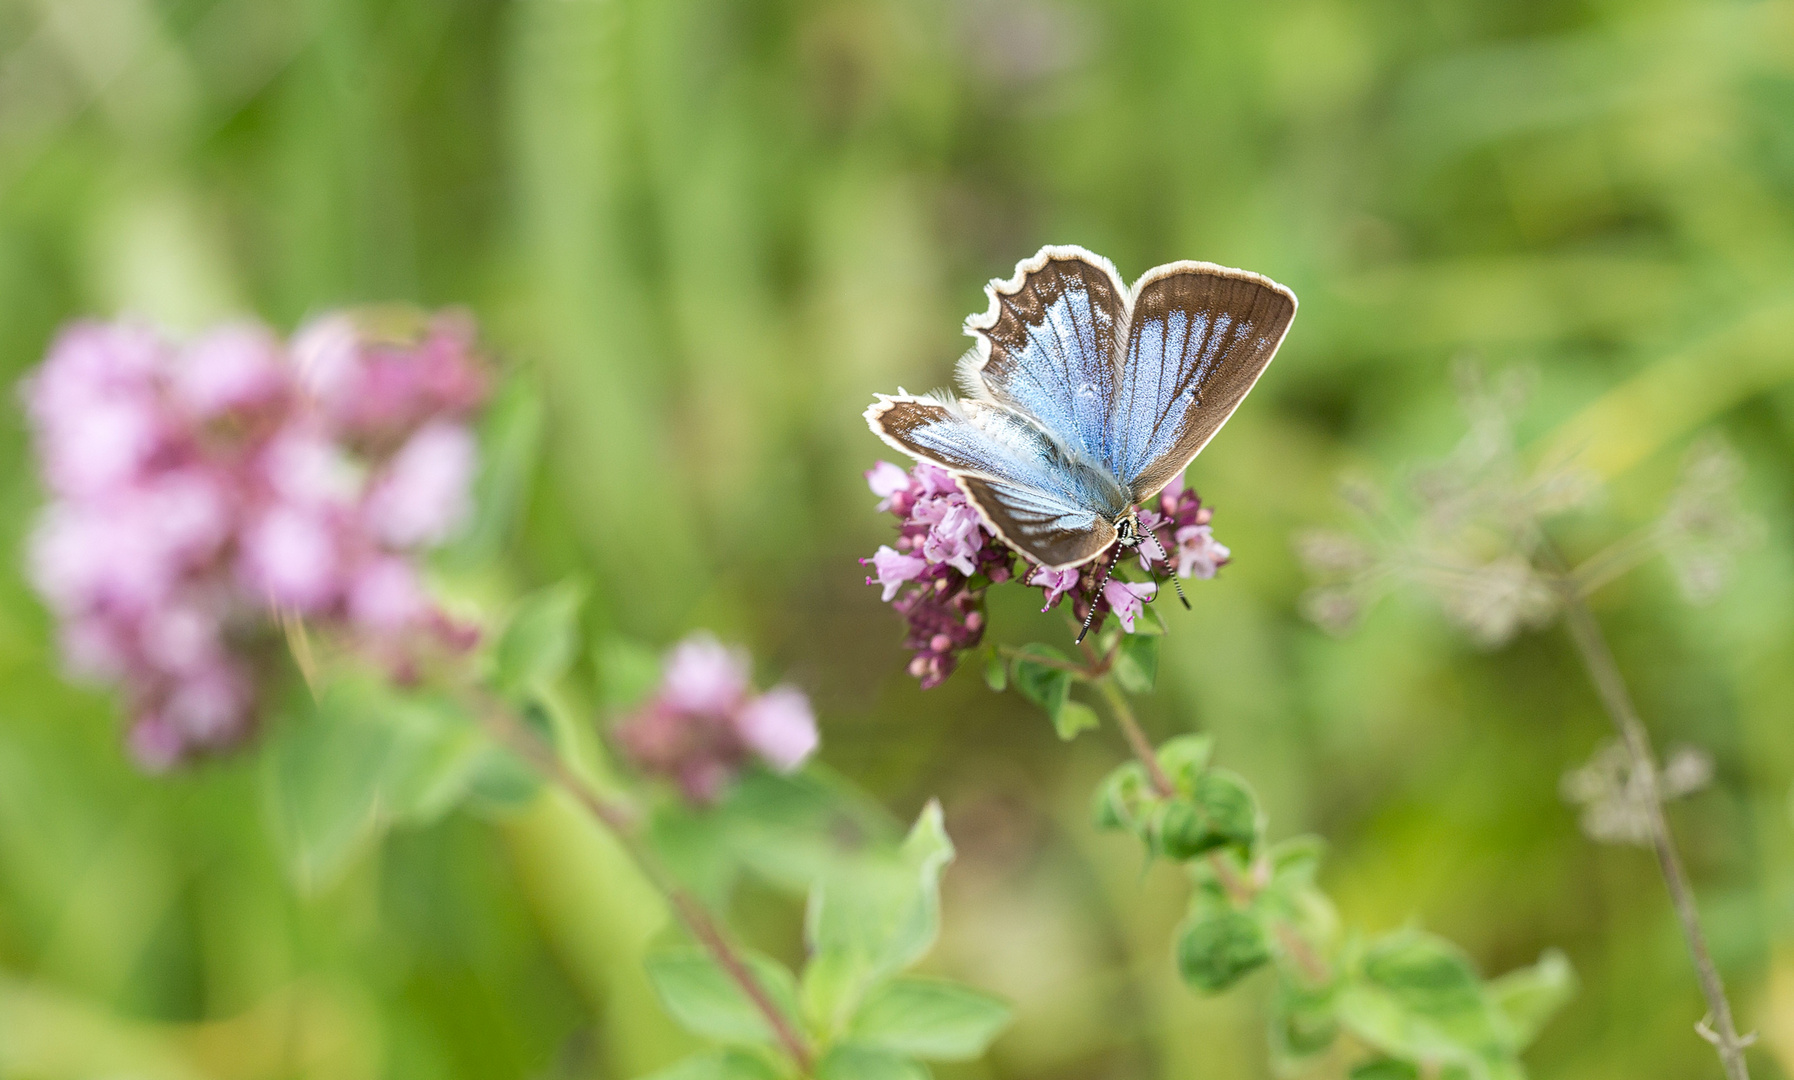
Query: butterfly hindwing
x: 1199, y: 337
x: 1047, y: 346
x: 1039, y: 496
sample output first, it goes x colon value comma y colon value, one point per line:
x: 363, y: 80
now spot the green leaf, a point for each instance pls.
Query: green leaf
x: 849, y: 1062
x: 431, y: 763
x: 1184, y: 758
x: 1137, y: 662
x: 1123, y: 800
x: 721, y: 1065
x: 1073, y: 717
x: 323, y: 771
x: 703, y: 998
x: 1529, y: 996
x: 1217, y: 950
x: 996, y: 671
x: 541, y: 640
x: 1230, y: 807
x: 502, y: 781
x: 1046, y: 686
x: 873, y: 916
x: 1303, y: 1021
x: 929, y: 1018
x: 1223, y: 811
x: 1385, y: 1069
x: 1416, y: 996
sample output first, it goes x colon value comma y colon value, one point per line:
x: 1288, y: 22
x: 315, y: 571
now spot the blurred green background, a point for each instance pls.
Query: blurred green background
x: 709, y: 231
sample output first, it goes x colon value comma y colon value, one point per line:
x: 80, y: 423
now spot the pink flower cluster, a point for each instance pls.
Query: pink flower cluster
x: 200, y: 488
x: 945, y: 557
x: 936, y: 575
x: 705, y: 722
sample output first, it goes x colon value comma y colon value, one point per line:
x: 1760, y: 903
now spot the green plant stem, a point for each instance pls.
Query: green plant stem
x: 623, y: 822
x: 1610, y: 686
x: 1240, y: 890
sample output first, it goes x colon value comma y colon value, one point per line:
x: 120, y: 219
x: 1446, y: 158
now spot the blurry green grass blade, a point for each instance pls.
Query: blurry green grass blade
x: 1678, y: 393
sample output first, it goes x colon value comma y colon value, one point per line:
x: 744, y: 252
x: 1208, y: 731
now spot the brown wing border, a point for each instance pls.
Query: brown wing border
x: 884, y: 403
x: 1191, y: 266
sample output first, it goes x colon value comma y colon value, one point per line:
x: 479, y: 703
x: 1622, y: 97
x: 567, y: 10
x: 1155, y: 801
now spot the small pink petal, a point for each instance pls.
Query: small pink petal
x: 1125, y: 599
x: 780, y: 727
x: 704, y: 676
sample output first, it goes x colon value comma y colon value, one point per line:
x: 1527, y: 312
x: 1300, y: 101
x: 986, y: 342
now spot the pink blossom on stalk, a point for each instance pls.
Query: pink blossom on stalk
x: 705, y: 721
x: 1125, y: 599
x: 892, y: 568
x: 945, y: 557
x: 1056, y: 583
x: 197, y: 487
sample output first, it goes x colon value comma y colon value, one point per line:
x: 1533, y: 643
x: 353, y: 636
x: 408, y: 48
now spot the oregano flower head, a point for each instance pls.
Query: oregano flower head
x: 201, y: 490
x: 944, y: 558
x: 705, y: 722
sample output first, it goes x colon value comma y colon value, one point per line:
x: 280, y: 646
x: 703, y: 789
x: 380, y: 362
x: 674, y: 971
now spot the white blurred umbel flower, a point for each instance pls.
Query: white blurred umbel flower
x: 1466, y: 528
x: 1614, y: 795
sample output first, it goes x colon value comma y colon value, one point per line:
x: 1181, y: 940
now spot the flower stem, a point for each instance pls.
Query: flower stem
x: 1604, y: 672
x: 622, y: 821
x: 1240, y: 890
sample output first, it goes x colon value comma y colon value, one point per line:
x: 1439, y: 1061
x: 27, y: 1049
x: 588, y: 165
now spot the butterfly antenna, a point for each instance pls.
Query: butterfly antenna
x: 1108, y: 568
x: 1170, y: 571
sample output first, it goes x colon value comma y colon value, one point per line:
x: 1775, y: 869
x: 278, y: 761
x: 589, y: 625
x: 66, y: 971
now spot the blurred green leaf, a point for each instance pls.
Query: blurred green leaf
x: 1416, y: 996
x: 1385, y: 1069
x: 722, y: 1065
x: 849, y: 1062
x: 1222, y: 811
x: 704, y: 999
x: 1184, y: 758
x: 323, y: 771
x: 996, y: 671
x: 1073, y: 717
x: 1124, y: 799
x: 541, y: 640
x: 1303, y: 1020
x: 1530, y: 996
x: 1137, y: 662
x: 874, y: 916
x: 930, y: 1019
x: 1217, y: 949
x: 1046, y: 686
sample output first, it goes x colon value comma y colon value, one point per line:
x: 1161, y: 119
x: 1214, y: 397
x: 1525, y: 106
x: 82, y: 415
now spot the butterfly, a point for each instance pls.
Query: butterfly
x: 1084, y: 397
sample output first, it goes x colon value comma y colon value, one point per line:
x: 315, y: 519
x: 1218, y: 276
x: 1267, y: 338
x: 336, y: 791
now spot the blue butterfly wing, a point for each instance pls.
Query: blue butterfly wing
x: 1199, y: 336
x: 1048, y: 344
x: 1040, y: 497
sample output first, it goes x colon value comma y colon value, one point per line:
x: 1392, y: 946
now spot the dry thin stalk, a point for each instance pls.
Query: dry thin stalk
x: 1610, y: 686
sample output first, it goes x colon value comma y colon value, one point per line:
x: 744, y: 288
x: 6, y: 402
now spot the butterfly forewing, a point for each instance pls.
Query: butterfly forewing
x: 1047, y: 346
x: 1199, y: 337
x: 1040, y: 497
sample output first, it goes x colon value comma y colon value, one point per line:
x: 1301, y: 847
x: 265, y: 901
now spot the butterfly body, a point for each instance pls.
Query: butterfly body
x: 1084, y: 397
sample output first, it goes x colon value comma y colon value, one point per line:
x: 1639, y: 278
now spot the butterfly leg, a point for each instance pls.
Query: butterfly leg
x: 1170, y: 570
x: 1108, y: 568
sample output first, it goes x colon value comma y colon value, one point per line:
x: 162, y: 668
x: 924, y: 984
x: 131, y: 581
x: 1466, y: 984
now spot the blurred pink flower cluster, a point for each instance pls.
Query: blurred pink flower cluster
x: 201, y: 488
x: 945, y: 557
x: 705, y: 722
